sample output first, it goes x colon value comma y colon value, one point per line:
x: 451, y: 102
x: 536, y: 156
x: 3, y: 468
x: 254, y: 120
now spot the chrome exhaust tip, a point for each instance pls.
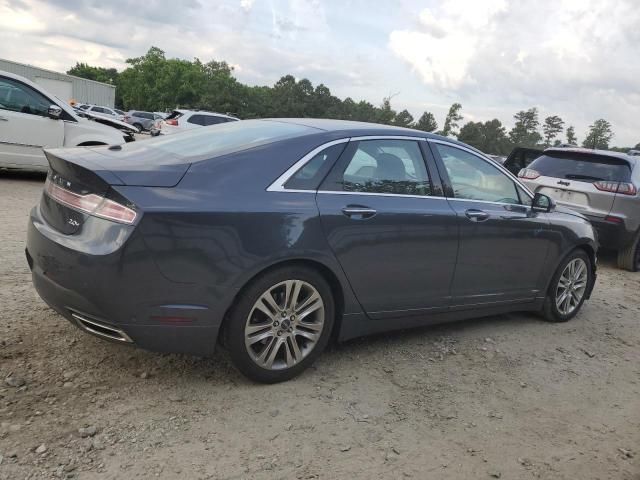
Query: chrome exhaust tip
x: 100, y: 329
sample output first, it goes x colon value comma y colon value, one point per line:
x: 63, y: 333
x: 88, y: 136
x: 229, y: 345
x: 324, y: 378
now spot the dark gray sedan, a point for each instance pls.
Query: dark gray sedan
x: 276, y: 235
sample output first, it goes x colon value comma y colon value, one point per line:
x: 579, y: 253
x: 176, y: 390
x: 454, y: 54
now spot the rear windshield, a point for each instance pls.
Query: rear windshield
x: 582, y: 167
x: 227, y: 137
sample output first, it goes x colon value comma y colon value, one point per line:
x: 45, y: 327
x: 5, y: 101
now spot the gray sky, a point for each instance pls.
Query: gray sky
x: 574, y: 58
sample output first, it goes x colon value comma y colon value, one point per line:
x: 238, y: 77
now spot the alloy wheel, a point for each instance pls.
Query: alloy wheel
x: 572, y: 286
x: 284, y: 324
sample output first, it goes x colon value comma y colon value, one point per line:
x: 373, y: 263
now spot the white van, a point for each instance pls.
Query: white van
x: 32, y: 119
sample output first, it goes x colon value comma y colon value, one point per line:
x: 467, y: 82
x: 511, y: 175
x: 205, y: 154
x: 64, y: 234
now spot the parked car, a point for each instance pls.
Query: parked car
x: 127, y: 130
x: 142, y: 120
x: 634, y: 153
x: 275, y: 235
x: 521, y: 157
x: 99, y: 110
x: 181, y: 120
x: 602, y: 185
x: 32, y: 119
x: 497, y: 158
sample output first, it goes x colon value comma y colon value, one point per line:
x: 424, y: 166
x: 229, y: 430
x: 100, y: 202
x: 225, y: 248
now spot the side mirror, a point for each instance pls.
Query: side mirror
x: 54, y: 111
x: 542, y: 203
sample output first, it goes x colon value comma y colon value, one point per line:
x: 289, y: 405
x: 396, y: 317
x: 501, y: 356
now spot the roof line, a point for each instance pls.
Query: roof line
x: 57, y: 73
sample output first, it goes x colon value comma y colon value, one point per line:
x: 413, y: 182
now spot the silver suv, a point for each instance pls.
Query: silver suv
x: 600, y: 184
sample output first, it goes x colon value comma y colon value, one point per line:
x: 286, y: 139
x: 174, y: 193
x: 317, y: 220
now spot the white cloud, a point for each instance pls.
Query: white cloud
x: 563, y: 56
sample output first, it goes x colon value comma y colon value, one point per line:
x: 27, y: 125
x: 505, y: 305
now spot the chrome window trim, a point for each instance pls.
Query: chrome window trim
x: 498, y: 167
x: 278, y: 184
x: 388, y: 137
x: 376, y: 194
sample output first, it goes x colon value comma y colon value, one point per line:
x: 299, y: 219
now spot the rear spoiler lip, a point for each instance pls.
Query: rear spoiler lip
x: 73, y: 155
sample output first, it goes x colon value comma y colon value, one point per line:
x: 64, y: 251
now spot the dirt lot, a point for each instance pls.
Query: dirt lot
x: 504, y: 397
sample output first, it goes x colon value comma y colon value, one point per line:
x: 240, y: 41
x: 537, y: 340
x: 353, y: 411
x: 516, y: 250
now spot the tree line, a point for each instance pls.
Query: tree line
x: 153, y: 82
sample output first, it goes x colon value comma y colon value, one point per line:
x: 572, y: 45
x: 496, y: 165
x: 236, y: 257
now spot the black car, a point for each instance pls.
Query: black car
x: 276, y: 235
x: 521, y: 157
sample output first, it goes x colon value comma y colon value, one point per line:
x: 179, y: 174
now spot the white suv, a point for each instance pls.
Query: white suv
x: 181, y: 120
x: 32, y: 119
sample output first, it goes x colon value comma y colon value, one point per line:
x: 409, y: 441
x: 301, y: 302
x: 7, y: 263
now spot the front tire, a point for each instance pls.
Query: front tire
x: 629, y: 257
x: 568, y: 289
x: 280, y: 324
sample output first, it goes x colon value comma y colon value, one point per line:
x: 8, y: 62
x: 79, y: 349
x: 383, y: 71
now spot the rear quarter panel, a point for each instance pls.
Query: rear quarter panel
x: 220, y: 227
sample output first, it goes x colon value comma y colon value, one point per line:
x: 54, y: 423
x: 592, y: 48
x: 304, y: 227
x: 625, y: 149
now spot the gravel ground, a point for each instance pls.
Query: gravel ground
x: 504, y: 397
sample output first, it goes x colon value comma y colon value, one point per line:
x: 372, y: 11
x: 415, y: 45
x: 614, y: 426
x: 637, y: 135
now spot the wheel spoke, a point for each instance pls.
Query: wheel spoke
x: 256, y: 327
x: 270, y: 301
x: 270, y: 346
x: 316, y: 327
x: 308, y: 335
x: 302, y: 314
x: 274, y: 352
x: 295, y: 294
x: 308, y: 301
x: 259, y: 337
x: 561, y: 299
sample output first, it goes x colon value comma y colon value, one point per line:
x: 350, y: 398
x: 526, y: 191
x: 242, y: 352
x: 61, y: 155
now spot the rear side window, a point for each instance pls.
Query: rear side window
x: 312, y: 173
x: 583, y: 167
x: 213, y: 120
x: 197, y: 119
x: 381, y: 166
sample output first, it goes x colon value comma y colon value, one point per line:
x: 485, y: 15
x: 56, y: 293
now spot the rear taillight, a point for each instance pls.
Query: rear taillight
x: 528, y: 173
x: 127, y: 118
x: 616, y: 187
x: 91, y: 204
x: 172, y: 121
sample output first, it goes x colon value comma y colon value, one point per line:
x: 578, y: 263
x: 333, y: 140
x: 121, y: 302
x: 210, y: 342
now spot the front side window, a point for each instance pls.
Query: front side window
x: 383, y: 166
x: 16, y: 97
x: 473, y: 178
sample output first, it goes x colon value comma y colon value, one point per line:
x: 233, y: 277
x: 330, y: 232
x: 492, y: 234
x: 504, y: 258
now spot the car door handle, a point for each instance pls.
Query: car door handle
x: 362, y: 212
x: 4, y: 119
x: 476, y: 215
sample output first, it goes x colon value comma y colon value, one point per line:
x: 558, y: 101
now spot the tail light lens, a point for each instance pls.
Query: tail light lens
x: 528, y: 173
x: 91, y: 204
x: 172, y: 121
x: 616, y: 187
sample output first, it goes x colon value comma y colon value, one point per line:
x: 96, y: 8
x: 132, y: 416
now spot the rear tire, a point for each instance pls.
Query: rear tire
x: 280, y: 324
x: 629, y: 257
x: 139, y: 127
x: 568, y: 289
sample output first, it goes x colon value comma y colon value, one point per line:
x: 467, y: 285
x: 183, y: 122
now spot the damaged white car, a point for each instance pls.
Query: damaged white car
x: 32, y: 119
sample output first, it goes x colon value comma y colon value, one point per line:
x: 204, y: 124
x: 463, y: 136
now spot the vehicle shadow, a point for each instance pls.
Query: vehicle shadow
x: 9, y: 174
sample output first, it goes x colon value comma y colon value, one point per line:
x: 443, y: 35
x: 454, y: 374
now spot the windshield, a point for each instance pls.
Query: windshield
x: 226, y: 138
x: 582, y: 167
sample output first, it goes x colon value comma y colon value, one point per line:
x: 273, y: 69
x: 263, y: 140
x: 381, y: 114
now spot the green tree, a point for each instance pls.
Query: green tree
x: 385, y: 113
x: 427, y: 123
x: 489, y: 137
x: 553, y: 125
x: 451, y: 121
x: 599, y: 135
x: 403, y: 119
x: 571, y: 136
x: 99, y: 74
x: 525, y: 131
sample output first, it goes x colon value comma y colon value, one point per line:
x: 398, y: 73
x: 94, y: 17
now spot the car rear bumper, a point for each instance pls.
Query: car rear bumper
x: 121, y: 297
x: 611, y: 235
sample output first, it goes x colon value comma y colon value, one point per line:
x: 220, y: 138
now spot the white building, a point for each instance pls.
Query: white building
x: 65, y: 87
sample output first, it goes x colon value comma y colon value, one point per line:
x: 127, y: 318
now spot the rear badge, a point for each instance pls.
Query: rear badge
x: 566, y: 184
x: 73, y: 223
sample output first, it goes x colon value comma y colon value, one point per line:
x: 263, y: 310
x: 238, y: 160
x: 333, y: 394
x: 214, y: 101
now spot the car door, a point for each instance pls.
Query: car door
x: 394, y: 234
x: 25, y: 127
x: 503, y: 242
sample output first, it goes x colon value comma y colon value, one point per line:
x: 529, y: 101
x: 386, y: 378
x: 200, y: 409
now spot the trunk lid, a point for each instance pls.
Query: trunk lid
x: 133, y: 164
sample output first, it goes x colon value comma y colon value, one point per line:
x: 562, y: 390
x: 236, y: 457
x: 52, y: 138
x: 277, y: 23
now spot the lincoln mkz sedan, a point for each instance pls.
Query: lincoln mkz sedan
x: 274, y: 236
